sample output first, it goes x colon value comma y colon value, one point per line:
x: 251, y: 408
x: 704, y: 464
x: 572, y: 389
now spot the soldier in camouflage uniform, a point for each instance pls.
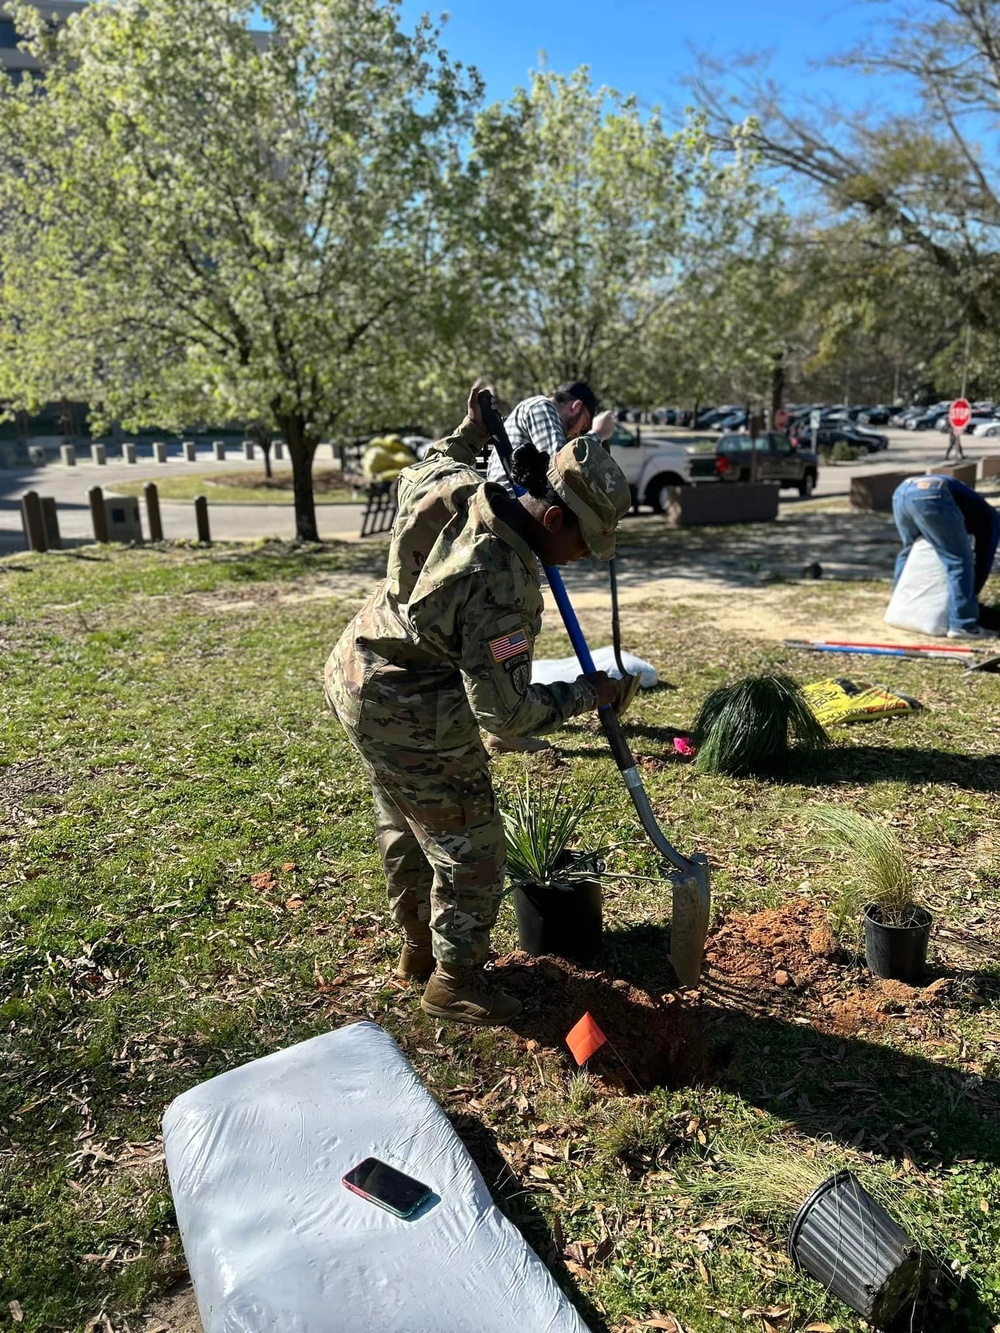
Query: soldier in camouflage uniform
x: 442, y: 648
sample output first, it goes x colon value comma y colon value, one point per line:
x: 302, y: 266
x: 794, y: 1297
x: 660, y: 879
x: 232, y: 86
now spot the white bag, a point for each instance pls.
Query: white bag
x: 276, y: 1244
x: 547, y: 670
x: 920, y: 599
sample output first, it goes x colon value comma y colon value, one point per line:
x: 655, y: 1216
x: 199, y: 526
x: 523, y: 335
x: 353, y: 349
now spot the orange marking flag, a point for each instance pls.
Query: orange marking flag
x: 584, y: 1039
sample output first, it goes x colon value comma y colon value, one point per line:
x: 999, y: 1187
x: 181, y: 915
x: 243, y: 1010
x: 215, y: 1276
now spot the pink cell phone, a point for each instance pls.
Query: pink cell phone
x: 384, y: 1185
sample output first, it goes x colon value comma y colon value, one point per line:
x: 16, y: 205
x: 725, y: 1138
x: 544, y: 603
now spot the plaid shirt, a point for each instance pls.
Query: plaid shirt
x: 536, y: 420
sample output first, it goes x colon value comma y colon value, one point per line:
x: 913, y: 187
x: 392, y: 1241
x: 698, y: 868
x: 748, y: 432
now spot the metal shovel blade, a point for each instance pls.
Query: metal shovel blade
x: 691, y: 902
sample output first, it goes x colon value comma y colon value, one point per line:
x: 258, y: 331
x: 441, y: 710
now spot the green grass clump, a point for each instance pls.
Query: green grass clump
x: 767, y: 1182
x: 874, y: 873
x: 745, y: 728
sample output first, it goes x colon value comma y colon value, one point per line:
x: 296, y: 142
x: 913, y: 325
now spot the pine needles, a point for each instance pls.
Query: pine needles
x: 746, y: 727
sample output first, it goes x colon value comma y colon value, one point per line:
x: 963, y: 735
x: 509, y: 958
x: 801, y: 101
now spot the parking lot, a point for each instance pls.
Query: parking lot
x: 908, y: 451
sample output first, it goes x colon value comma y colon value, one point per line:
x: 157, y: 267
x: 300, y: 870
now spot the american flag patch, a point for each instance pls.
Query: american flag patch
x: 509, y: 645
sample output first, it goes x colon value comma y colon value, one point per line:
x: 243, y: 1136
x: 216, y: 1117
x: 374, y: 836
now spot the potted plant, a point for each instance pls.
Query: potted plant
x: 838, y: 1232
x: 746, y: 727
x: 557, y: 897
x: 877, y: 884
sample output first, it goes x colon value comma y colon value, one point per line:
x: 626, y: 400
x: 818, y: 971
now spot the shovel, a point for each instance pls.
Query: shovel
x: 690, y: 894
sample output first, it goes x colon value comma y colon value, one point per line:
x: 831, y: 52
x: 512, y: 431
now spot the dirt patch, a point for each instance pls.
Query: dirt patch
x: 782, y: 963
x: 789, y: 947
x: 30, y: 778
x: 653, y: 1039
x: 175, y: 1313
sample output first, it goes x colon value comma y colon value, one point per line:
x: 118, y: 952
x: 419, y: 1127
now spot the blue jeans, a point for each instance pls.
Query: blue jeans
x: 923, y: 507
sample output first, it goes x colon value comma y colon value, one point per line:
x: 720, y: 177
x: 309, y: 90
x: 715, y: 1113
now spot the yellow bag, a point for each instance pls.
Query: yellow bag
x: 836, y: 701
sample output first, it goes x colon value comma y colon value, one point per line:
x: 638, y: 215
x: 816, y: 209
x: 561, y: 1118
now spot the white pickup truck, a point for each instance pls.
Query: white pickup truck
x: 650, y: 468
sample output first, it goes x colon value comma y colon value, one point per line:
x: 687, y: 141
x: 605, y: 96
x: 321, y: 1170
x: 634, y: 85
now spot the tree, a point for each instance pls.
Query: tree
x: 922, y: 183
x: 610, y: 215
x: 201, y: 222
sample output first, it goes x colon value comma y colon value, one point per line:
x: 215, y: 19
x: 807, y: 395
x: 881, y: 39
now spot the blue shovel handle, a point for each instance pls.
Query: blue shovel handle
x: 609, y: 721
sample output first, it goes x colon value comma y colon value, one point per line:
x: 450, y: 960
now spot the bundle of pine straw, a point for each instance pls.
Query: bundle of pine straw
x: 746, y: 727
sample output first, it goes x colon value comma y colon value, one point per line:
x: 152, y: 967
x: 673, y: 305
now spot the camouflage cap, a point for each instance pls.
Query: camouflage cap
x: 590, y: 483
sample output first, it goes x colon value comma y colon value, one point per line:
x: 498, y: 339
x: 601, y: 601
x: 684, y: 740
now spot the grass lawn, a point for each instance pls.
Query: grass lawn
x: 190, y: 880
x: 246, y: 488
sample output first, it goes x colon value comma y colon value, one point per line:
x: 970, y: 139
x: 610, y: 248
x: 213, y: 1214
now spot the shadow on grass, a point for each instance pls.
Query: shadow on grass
x: 875, y: 763
x: 851, y: 1090
x: 519, y: 1205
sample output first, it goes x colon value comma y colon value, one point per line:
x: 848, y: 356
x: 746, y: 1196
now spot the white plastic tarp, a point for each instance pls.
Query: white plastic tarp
x: 920, y: 599
x: 276, y: 1244
x: 548, y: 669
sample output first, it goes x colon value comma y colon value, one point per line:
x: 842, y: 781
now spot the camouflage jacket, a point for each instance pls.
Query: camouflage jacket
x: 444, y: 644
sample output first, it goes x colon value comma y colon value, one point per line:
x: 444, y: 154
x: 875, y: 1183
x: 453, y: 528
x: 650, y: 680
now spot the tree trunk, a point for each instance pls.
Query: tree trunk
x: 301, y: 450
x: 261, y: 436
x: 777, y: 383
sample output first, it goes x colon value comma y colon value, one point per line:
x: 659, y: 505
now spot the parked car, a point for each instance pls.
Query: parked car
x: 834, y: 432
x: 709, y: 418
x: 989, y: 427
x: 976, y: 419
x: 734, y: 421
x: 651, y: 467
x: 874, y: 416
x: 768, y: 457
x: 929, y: 419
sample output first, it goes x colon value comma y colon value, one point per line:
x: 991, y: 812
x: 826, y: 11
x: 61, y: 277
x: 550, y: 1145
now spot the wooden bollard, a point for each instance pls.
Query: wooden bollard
x: 98, y: 514
x: 153, y: 512
x: 201, y: 519
x: 34, y: 521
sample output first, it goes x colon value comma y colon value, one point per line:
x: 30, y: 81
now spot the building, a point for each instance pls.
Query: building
x: 18, y: 63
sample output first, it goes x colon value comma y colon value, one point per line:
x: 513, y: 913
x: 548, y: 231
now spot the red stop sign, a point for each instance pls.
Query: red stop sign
x: 959, y: 413
x: 780, y: 419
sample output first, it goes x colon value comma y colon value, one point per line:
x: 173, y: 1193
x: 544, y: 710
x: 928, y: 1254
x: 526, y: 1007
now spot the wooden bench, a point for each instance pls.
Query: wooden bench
x: 380, y: 508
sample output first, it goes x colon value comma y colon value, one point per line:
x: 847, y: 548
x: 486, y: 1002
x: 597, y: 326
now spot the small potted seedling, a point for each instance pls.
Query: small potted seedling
x: 877, y: 884
x: 557, y: 897
x: 747, y: 727
x: 837, y: 1232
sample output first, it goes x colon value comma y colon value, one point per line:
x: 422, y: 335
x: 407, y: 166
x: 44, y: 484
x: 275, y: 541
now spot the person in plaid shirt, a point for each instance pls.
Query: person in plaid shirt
x: 547, y: 423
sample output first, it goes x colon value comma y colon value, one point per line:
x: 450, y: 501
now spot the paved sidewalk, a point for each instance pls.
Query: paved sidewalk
x: 227, y: 522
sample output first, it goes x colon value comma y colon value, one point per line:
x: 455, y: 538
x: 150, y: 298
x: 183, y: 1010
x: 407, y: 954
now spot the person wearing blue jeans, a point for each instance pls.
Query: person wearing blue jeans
x: 946, y: 513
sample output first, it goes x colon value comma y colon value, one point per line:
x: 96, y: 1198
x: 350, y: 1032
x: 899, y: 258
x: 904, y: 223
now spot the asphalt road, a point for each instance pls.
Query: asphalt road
x: 908, y: 451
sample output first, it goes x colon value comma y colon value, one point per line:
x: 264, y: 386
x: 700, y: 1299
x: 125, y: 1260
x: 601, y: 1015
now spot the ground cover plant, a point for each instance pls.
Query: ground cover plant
x: 190, y: 880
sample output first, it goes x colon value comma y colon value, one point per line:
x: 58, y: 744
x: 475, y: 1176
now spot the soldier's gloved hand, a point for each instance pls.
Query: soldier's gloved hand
x: 629, y: 688
x: 608, y: 690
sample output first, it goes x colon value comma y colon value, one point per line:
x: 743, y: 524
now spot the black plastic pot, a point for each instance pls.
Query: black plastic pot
x: 565, y: 920
x: 847, y: 1241
x: 897, y: 952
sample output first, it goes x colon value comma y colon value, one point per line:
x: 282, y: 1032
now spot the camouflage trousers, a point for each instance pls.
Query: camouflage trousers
x: 441, y: 839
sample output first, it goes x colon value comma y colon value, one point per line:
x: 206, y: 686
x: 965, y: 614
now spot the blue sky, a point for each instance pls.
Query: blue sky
x: 645, y: 47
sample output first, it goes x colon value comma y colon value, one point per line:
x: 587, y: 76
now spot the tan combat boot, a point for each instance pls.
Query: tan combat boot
x: 468, y: 995
x: 416, y: 962
x: 516, y: 744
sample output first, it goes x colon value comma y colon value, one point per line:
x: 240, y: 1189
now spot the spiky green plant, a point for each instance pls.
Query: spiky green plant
x: 746, y: 727
x: 874, y: 872
x: 539, y: 828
